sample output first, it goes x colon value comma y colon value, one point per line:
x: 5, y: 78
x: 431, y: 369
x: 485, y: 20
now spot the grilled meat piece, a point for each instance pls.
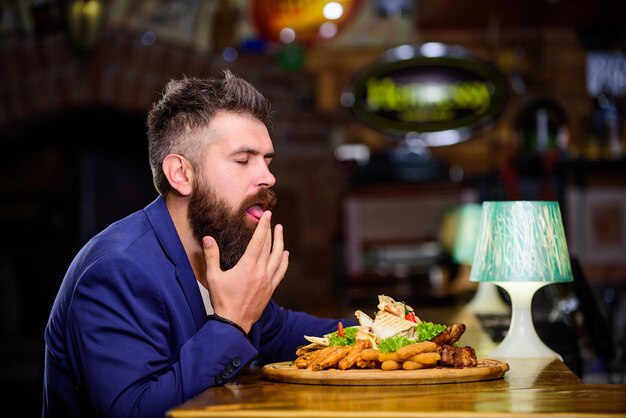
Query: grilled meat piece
x: 450, y: 335
x: 458, y: 356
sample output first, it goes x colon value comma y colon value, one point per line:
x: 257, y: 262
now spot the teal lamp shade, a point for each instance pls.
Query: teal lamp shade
x: 521, y: 241
x: 521, y: 247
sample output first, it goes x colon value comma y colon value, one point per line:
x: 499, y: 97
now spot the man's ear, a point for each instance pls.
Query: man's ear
x: 179, y: 173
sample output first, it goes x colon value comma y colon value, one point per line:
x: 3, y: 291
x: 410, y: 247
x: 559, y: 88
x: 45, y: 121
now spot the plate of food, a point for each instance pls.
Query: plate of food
x: 394, y: 348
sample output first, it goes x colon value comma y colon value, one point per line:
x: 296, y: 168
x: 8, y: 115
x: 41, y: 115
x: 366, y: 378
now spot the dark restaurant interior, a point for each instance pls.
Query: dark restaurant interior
x: 366, y: 203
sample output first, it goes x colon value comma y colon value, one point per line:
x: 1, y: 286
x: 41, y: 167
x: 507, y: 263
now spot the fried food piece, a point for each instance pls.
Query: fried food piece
x: 370, y: 354
x: 303, y: 361
x: 323, y: 352
x: 353, y: 355
x: 391, y: 365
x: 427, y: 359
x: 412, y: 365
x: 450, y: 335
x: 390, y: 356
x: 458, y: 356
x: 367, y: 364
x: 329, y: 357
x: 417, y: 348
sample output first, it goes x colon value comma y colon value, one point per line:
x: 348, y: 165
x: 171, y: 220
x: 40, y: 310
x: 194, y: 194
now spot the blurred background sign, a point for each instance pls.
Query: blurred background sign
x: 606, y: 73
x: 437, y: 93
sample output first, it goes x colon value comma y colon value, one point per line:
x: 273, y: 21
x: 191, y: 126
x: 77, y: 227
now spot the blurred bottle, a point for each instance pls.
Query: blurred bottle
x: 606, y: 125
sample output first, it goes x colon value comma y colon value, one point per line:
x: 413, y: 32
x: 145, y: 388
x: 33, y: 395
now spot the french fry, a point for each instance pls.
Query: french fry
x: 328, y: 357
x: 303, y: 361
x: 354, y: 354
x: 391, y: 365
x: 367, y: 364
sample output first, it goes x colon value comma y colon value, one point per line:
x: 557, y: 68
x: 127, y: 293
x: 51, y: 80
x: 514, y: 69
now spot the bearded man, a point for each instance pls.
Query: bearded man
x: 176, y: 298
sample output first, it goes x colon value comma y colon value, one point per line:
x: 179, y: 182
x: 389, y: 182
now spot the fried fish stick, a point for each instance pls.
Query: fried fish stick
x: 353, y: 355
x: 428, y: 359
x: 391, y: 365
x: 412, y: 349
x: 390, y: 356
x: 370, y: 354
x: 412, y: 365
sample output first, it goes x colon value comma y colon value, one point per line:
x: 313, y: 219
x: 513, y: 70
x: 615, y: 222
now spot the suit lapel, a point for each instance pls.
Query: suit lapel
x: 165, y: 231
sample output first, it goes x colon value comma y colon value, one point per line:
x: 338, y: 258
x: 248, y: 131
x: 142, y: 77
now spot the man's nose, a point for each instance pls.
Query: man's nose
x: 266, y: 178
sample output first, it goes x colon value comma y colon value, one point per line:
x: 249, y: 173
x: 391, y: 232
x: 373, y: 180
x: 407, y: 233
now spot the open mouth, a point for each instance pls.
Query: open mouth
x: 264, y: 199
x: 256, y: 211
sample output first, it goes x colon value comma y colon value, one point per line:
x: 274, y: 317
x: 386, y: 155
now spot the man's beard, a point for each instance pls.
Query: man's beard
x: 210, y: 215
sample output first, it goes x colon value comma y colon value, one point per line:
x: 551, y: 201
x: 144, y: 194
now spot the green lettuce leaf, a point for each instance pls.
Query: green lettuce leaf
x: 390, y: 344
x: 349, y: 339
x: 426, y: 331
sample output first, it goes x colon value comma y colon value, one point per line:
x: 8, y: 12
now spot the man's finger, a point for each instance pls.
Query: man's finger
x: 255, y: 246
x: 267, y: 248
x: 211, y: 256
x: 282, y: 269
x: 278, y: 245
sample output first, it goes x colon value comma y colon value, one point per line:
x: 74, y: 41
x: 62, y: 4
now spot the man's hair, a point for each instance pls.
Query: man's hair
x: 190, y: 104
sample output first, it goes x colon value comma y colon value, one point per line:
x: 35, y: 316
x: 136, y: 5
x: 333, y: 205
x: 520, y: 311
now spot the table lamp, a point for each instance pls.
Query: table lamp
x: 486, y: 299
x: 521, y: 247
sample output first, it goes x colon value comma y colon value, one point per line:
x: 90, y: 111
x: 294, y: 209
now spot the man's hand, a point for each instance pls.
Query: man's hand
x: 242, y: 293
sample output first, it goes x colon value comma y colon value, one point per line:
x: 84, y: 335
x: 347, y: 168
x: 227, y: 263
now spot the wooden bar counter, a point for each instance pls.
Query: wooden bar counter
x: 531, y: 388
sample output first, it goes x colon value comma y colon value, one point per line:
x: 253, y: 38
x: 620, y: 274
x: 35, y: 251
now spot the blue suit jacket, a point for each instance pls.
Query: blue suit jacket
x: 128, y: 334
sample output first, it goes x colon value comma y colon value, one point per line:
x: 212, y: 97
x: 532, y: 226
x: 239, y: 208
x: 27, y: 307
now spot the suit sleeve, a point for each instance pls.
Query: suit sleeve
x: 119, y: 331
x: 283, y: 330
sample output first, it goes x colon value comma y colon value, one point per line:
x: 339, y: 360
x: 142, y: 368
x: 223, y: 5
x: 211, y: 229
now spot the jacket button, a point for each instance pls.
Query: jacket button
x: 225, y: 374
x: 236, y: 362
x: 219, y: 380
x: 229, y: 368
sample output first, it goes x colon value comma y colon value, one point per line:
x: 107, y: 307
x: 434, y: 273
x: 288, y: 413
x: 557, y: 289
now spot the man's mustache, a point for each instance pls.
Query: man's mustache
x: 266, y: 198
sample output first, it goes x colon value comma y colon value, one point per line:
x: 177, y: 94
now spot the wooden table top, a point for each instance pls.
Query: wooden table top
x: 532, y: 387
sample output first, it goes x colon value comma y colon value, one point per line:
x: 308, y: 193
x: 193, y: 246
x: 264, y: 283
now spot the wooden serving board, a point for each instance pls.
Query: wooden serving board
x: 487, y: 369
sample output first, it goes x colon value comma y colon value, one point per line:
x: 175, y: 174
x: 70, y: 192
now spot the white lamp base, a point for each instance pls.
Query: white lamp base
x: 522, y: 339
x: 487, y: 301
